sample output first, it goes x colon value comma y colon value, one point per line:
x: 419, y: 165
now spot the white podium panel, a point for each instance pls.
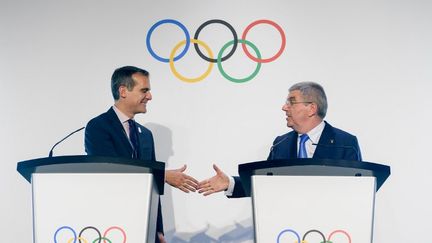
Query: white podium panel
x: 290, y: 209
x: 94, y: 207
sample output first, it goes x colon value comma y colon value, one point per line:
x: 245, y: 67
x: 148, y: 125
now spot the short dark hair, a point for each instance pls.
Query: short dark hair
x: 313, y: 92
x: 123, y: 77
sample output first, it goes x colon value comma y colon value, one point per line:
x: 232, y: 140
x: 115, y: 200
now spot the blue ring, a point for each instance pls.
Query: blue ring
x: 288, y: 230
x: 166, y: 21
x: 65, y: 227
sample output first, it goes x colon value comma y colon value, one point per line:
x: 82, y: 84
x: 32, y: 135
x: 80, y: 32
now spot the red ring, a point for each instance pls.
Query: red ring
x: 281, y: 32
x: 115, y: 227
x: 340, y: 231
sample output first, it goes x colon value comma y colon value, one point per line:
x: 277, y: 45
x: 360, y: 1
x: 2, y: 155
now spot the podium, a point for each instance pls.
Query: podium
x: 313, y: 200
x: 92, y: 199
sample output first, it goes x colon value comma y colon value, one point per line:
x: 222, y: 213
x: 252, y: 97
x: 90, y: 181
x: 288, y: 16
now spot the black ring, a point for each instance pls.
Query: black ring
x: 317, y: 231
x: 216, y: 21
x: 90, y: 227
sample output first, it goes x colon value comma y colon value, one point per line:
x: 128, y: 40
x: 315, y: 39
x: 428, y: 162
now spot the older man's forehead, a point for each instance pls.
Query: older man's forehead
x: 294, y: 94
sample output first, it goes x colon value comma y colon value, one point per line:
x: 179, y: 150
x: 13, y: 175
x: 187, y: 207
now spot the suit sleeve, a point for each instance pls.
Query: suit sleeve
x: 356, y: 145
x: 352, y: 150
x: 153, y: 147
x: 238, y: 188
x: 159, y: 221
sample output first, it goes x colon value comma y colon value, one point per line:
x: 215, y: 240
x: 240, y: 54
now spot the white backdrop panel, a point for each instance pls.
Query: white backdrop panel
x: 372, y: 57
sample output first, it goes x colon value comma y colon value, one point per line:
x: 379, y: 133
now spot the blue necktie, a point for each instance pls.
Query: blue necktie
x: 133, y: 135
x: 302, y: 148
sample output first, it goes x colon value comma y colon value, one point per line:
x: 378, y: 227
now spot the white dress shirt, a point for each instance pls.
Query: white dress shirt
x: 123, y: 120
x: 314, y: 136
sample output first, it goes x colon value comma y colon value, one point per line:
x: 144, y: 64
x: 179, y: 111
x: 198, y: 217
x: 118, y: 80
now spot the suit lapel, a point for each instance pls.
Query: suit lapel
x: 327, y: 139
x: 119, y: 132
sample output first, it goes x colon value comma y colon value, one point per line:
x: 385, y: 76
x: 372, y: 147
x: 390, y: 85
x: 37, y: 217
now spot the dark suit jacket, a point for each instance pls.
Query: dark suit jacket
x: 333, y: 144
x: 105, y: 136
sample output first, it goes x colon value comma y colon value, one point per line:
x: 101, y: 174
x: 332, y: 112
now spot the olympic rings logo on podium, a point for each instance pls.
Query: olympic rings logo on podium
x: 81, y: 239
x: 303, y: 240
x: 210, y: 58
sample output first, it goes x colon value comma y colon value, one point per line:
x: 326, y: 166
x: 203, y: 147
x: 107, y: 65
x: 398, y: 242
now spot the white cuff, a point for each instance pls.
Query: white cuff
x: 230, y: 188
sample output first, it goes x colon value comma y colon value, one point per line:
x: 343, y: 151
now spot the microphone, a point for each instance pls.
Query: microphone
x: 340, y: 147
x: 51, y: 151
x: 276, y: 144
x: 273, y: 146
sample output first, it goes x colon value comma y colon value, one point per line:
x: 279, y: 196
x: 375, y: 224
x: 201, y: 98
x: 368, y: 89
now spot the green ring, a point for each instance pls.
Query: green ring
x: 241, y: 80
x: 102, y: 238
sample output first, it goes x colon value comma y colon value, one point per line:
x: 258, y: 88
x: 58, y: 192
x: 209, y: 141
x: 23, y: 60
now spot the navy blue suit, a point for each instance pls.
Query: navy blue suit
x: 105, y: 136
x: 333, y: 144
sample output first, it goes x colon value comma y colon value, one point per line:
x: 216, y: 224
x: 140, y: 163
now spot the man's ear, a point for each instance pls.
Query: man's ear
x: 122, y: 91
x: 313, y: 109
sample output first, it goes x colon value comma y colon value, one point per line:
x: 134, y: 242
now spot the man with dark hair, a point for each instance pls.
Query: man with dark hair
x: 312, y: 137
x: 115, y: 132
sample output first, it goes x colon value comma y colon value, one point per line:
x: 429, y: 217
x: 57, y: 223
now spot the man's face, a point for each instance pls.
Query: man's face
x: 137, y: 98
x: 297, y: 110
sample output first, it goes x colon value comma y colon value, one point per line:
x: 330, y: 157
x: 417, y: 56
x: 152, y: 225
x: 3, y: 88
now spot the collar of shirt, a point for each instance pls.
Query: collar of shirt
x: 123, y: 119
x: 314, y: 136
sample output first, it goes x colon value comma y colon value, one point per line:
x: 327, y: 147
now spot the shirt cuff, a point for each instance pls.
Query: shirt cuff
x: 229, y: 191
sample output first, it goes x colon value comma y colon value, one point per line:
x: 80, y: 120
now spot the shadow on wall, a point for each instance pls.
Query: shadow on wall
x: 164, y: 150
x: 240, y: 232
x: 163, y: 141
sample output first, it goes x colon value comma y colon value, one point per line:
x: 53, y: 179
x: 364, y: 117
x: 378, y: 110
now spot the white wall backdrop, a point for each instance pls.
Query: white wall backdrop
x: 373, y: 58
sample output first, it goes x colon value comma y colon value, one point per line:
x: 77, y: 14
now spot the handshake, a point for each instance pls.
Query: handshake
x: 177, y: 178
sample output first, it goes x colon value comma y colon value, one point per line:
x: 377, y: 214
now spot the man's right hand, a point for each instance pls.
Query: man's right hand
x: 177, y: 178
x: 217, y: 183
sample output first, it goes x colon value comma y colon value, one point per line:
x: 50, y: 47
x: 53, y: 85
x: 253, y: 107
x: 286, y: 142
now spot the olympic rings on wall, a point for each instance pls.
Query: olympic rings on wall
x: 303, y: 240
x: 178, y: 75
x: 220, y: 56
x: 100, y: 239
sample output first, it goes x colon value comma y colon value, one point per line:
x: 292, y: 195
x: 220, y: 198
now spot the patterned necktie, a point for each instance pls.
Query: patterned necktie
x: 302, y: 148
x: 133, y: 135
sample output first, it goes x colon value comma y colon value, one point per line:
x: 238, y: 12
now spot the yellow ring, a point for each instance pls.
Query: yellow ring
x: 181, y: 77
x: 79, y: 238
